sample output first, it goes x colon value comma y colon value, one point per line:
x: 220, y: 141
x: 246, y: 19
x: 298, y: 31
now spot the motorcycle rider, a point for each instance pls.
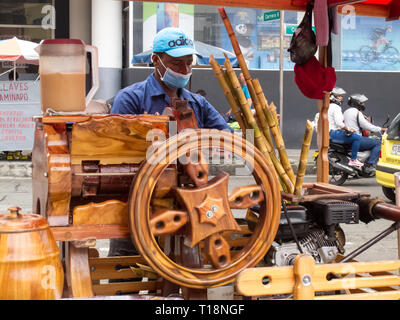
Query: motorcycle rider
x: 338, y: 131
x: 354, y: 119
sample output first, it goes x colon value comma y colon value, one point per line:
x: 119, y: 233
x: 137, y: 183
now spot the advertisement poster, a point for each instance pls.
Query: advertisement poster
x: 371, y: 44
x: 258, y: 34
x: 157, y: 16
x: 19, y: 102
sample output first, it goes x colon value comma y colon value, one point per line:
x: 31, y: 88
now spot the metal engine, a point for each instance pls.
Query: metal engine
x: 313, y: 229
x: 315, y: 243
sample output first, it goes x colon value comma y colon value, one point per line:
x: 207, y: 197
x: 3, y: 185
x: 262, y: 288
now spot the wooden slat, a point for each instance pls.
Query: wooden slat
x: 386, y: 295
x: 123, y: 287
x: 107, y: 212
x: 125, y: 273
x: 112, y: 261
x: 284, y: 280
x: 78, y: 272
x: 89, y: 231
x: 119, y: 268
x: 112, y: 139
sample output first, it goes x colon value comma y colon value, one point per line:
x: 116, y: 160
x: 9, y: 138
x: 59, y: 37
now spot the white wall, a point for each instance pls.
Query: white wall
x: 80, y: 26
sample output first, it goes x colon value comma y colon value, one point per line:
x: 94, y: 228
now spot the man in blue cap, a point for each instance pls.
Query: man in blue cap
x: 172, y: 57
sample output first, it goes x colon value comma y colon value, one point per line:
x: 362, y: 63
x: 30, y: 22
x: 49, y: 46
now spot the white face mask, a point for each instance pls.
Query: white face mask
x: 172, y: 79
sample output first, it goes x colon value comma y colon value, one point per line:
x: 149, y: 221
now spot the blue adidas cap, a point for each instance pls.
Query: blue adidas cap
x: 174, y: 42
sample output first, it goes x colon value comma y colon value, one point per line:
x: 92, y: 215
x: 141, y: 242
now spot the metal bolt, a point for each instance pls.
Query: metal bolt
x: 306, y: 280
x: 209, y: 214
x: 214, y: 208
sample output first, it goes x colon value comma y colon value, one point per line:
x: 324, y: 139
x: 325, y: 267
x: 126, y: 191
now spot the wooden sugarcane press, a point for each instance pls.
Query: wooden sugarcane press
x: 108, y: 176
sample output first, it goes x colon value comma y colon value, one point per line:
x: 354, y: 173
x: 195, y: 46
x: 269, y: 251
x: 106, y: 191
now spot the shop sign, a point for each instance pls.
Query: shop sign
x: 272, y: 15
x: 19, y: 103
x: 290, y: 28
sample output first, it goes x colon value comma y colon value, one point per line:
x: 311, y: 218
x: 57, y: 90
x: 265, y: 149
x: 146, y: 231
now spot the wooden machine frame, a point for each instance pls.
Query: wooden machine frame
x: 67, y: 169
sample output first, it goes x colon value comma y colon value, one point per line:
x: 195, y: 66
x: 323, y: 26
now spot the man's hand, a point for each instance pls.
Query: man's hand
x: 383, y: 130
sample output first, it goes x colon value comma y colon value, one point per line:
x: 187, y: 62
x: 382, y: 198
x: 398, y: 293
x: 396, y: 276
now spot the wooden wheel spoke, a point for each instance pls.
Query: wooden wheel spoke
x: 245, y: 197
x: 165, y: 222
x: 218, y: 250
x: 196, y: 167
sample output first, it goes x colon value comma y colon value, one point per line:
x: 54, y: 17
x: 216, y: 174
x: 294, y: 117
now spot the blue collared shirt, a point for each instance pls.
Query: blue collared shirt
x: 149, y: 96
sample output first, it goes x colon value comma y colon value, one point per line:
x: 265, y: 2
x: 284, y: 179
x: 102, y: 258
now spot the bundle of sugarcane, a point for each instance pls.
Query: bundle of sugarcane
x: 272, y: 120
x: 228, y: 93
x: 303, y: 157
x: 236, y: 98
x: 267, y: 120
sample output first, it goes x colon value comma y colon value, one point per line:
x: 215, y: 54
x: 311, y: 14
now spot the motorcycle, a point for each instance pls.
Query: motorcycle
x: 339, y: 156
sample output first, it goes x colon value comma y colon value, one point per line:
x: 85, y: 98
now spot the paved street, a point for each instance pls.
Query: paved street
x: 17, y: 192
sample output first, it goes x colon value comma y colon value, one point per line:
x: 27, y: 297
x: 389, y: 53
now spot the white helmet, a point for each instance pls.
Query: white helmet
x: 357, y: 100
x: 335, y: 94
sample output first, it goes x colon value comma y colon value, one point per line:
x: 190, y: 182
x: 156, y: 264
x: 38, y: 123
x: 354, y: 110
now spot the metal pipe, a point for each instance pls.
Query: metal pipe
x: 386, y: 211
x: 371, y: 242
x: 376, y: 208
x: 281, y: 43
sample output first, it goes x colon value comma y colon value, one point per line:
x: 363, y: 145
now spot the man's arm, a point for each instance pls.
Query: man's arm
x: 212, y: 119
x: 125, y: 103
x: 364, y: 124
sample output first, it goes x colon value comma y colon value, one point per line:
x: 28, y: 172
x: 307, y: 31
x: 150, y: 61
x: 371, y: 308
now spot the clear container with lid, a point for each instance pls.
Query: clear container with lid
x: 62, y: 68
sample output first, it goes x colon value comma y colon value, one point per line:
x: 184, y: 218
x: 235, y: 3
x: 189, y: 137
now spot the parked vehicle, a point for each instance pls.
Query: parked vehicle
x: 389, y: 160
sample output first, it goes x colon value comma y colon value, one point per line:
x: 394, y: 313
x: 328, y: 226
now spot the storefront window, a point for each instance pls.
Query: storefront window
x: 370, y: 44
x: 259, y: 38
x: 363, y: 43
x: 27, y: 20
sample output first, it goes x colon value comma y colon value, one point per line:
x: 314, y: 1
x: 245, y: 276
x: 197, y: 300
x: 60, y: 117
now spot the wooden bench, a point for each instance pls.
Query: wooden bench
x: 128, y: 275
x: 306, y: 280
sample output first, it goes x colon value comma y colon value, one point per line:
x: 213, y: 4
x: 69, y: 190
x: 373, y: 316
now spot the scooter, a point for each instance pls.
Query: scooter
x: 339, y: 156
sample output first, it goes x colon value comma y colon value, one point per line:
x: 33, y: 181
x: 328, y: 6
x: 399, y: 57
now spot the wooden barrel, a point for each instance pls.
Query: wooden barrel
x: 30, y: 266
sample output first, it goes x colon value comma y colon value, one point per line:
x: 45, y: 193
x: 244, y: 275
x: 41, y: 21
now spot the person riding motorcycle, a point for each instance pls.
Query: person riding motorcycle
x: 338, y: 131
x: 354, y: 119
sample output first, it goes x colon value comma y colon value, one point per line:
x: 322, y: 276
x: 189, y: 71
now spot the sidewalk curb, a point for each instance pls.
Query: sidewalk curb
x: 17, y: 169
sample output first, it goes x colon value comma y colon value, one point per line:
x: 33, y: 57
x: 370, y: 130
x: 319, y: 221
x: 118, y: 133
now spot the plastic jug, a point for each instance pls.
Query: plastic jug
x: 62, y: 68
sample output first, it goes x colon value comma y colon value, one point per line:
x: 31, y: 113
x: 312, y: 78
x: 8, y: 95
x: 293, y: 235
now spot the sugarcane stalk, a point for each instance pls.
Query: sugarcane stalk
x: 274, y: 127
x: 272, y: 108
x: 244, y: 106
x: 228, y: 93
x: 259, y: 112
x: 235, y: 44
x: 259, y: 138
x: 228, y: 81
x: 303, y: 158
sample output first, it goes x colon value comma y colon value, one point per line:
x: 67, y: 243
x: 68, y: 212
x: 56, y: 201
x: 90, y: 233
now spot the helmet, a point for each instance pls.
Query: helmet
x: 241, y: 28
x: 357, y: 101
x: 335, y: 94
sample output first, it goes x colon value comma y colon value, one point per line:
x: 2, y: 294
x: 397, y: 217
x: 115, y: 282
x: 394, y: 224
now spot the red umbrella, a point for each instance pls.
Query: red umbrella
x: 18, y: 51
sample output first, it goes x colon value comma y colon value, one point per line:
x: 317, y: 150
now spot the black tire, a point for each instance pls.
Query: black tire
x: 337, y: 177
x: 389, y: 193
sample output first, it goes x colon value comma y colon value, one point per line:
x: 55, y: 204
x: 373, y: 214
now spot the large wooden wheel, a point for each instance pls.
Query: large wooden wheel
x: 202, y: 209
